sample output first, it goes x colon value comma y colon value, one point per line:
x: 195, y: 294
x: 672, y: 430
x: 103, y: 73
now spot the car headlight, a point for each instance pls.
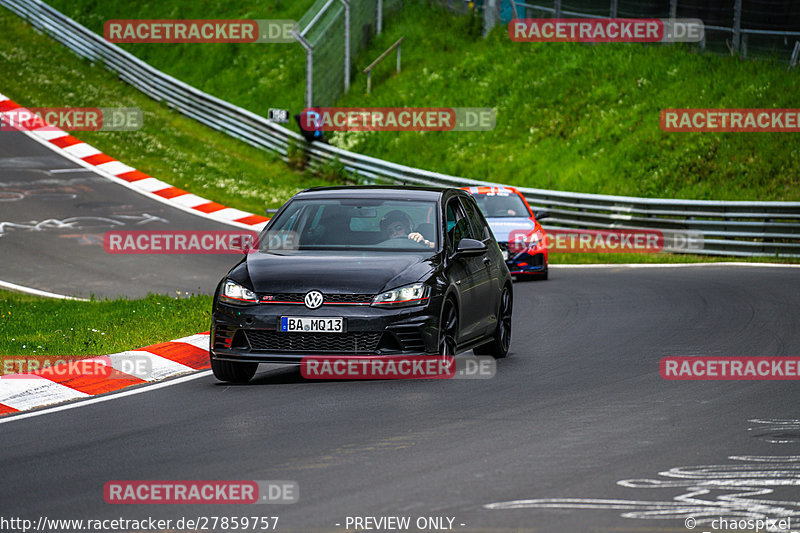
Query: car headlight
x: 414, y: 294
x: 234, y: 293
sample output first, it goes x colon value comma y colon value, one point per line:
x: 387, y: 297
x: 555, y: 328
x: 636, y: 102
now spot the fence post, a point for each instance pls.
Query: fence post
x: 795, y: 55
x: 346, y: 45
x: 558, y: 9
x: 613, y: 13
x: 737, y: 24
x: 488, y: 16
x: 309, y: 65
x: 379, y: 24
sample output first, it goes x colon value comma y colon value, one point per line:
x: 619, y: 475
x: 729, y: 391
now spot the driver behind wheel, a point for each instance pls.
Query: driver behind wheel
x: 397, y: 224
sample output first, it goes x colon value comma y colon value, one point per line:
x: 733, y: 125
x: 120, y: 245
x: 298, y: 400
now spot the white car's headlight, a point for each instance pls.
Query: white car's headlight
x: 414, y: 294
x: 232, y: 292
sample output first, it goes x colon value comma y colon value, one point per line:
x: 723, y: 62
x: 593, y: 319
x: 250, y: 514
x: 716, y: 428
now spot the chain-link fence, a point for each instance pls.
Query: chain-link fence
x: 332, y: 33
x: 764, y: 28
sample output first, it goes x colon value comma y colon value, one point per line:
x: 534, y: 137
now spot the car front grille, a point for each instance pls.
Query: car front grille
x: 299, y: 297
x: 337, y: 343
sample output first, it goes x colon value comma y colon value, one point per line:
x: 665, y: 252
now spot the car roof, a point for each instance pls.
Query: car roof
x: 372, y: 191
x: 491, y: 190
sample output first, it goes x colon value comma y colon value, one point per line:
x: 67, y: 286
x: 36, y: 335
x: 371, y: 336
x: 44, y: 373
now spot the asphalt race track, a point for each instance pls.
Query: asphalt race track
x: 577, y: 430
x: 577, y: 408
x: 54, y: 213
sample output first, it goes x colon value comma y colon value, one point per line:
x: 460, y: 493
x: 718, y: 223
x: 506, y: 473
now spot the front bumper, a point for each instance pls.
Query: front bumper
x: 525, y: 262
x: 250, y: 333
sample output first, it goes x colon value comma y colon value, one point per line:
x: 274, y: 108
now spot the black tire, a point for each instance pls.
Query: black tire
x: 501, y: 342
x: 233, y: 372
x: 448, y: 328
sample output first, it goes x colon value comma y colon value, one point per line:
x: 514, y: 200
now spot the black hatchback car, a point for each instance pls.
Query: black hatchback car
x: 364, y: 271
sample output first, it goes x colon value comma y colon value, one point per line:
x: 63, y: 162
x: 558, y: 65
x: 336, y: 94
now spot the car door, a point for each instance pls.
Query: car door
x: 465, y: 271
x: 486, y: 267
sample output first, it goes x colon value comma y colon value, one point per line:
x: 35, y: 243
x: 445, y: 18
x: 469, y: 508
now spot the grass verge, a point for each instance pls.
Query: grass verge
x: 570, y: 116
x: 578, y: 117
x: 33, y: 325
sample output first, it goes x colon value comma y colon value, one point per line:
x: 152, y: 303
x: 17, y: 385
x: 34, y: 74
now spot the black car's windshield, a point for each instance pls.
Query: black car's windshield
x: 501, y: 205
x: 357, y: 224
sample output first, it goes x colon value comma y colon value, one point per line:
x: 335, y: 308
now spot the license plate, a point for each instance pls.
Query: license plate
x: 312, y: 324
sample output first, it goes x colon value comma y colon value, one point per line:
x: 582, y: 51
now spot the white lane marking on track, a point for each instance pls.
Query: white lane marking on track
x: 107, y: 397
x: 27, y: 393
x: 37, y: 292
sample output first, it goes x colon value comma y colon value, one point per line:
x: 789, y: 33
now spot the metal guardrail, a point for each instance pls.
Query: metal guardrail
x: 728, y: 228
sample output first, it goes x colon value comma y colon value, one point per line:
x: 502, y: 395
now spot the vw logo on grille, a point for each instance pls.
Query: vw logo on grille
x: 313, y: 299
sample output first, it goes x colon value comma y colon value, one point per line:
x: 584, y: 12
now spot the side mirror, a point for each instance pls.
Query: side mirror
x: 470, y: 247
x: 541, y: 213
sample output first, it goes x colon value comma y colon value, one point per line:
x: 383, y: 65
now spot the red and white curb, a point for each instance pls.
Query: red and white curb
x: 22, y: 392
x: 90, y: 157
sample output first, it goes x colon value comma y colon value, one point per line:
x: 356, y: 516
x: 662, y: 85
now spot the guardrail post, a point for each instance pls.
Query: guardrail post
x: 737, y: 25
